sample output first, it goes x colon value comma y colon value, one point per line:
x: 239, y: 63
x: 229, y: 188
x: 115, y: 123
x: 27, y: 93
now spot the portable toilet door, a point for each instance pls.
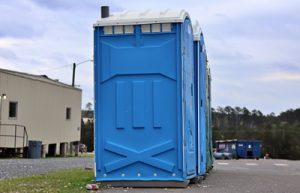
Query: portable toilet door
x: 200, y: 98
x: 188, y: 105
x: 210, y: 158
x: 144, y: 97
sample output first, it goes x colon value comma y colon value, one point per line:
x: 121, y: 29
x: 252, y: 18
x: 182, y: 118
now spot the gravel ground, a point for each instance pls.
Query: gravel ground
x: 25, y: 167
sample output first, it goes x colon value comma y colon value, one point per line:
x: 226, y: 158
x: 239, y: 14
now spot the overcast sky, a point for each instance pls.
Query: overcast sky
x: 253, y: 45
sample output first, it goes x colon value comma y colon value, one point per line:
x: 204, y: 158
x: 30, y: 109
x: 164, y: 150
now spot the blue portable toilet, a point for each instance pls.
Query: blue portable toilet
x: 144, y: 98
x: 200, y: 95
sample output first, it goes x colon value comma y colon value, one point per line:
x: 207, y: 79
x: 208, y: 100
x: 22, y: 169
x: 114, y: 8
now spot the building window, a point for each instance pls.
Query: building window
x: 68, y: 113
x: 13, y: 109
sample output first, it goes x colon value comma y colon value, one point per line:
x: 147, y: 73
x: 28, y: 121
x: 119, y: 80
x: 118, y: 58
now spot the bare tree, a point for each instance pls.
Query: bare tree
x: 88, y: 106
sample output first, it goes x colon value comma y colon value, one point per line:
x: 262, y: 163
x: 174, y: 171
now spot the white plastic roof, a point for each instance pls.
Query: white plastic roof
x: 197, y: 30
x: 144, y: 17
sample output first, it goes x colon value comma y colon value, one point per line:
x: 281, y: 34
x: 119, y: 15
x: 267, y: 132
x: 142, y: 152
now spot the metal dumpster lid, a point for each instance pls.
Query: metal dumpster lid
x: 143, y: 17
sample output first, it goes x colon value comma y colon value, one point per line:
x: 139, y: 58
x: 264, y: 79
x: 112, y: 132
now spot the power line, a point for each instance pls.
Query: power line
x: 84, y: 62
x: 64, y: 66
x: 74, y: 69
x: 55, y: 68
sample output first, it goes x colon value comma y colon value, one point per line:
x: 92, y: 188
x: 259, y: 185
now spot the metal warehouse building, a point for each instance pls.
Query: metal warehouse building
x: 37, y: 108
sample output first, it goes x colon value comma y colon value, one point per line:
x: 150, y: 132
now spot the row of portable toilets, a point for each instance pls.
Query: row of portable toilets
x: 152, y: 99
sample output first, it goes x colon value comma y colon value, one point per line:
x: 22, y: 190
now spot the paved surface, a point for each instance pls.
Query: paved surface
x: 238, y: 176
x: 25, y: 167
x: 228, y: 176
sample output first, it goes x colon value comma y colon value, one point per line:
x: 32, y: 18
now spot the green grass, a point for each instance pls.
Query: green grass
x: 64, y: 181
x: 91, y: 155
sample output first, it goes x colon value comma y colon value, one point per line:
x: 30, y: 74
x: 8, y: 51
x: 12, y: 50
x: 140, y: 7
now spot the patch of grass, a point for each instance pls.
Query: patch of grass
x: 87, y: 154
x: 64, y: 181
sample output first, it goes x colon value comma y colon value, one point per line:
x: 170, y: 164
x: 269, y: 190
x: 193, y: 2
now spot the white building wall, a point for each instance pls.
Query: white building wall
x: 42, y: 109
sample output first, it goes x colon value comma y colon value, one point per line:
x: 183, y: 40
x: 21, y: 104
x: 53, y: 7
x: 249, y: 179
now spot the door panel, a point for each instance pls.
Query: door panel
x: 137, y: 104
x: 189, y: 99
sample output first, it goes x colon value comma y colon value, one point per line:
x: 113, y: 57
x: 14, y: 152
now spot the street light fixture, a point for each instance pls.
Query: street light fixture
x: 2, y: 97
x: 74, y: 69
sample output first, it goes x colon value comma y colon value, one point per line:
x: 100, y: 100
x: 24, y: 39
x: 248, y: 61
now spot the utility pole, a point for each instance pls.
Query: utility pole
x: 73, y: 78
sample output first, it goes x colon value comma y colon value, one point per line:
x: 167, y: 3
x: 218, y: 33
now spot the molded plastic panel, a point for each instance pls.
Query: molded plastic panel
x: 200, y: 70
x: 209, y: 147
x: 136, y: 82
x: 144, y: 105
x: 189, y: 100
x: 203, y: 107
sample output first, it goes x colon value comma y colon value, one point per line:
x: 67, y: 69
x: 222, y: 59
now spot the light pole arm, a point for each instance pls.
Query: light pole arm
x: 74, y: 70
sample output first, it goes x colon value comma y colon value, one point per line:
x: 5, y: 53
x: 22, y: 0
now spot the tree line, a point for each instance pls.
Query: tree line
x: 280, y: 134
x: 87, y: 129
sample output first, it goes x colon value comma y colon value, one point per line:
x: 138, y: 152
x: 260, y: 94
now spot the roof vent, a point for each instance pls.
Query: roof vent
x: 44, y: 76
x: 104, y: 11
